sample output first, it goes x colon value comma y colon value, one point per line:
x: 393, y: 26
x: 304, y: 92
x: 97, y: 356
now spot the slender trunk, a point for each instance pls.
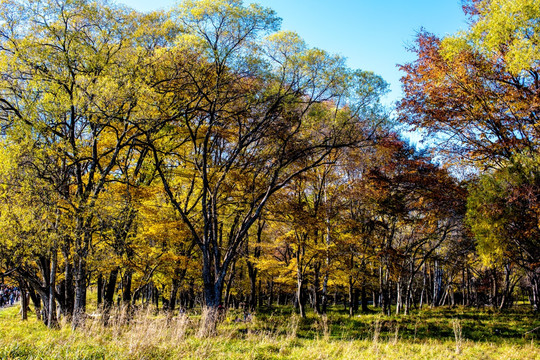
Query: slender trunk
x: 365, y: 308
x: 270, y: 285
x: 351, y: 296
x: 155, y: 297
x: 408, y: 296
x: 535, y: 290
x: 300, y: 282
x: 100, y: 289
x: 108, y: 298
x: 36, y: 300
x: 228, y: 285
x: 324, y: 293
x: 468, y: 279
x: 24, y: 302
x: 126, y: 288
x: 51, y: 320
x: 495, y: 289
x: 399, y: 297
x: 300, y: 295
x: 315, y: 289
x: 68, y: 293
x: 79, y: 307
x: 384, y: 288
x: 252, y: 272
x: 424, y: 284
x: 174, y: 293
x: 506, y: 292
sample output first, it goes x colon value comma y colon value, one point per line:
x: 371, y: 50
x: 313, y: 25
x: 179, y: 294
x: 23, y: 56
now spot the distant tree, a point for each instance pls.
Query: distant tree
x: 477, y: 93
x: 503, y: 212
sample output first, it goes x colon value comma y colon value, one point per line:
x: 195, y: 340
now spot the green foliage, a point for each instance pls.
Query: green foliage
x: 503, y: 212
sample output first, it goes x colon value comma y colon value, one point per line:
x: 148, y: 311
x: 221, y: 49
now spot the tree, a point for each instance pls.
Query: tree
x: 503, y: 214
x: 478, y: 91
x: 247, y: 118
x: 68, y: 83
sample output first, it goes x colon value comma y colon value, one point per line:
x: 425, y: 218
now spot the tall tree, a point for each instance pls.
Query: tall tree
x: 243, y: 117
x: 68, y: 82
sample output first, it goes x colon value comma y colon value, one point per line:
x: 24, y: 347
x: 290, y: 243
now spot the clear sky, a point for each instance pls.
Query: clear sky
x: 372, y: 34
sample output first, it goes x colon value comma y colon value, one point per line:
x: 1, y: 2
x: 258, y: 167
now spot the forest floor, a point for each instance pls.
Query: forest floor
x: 443, y: 333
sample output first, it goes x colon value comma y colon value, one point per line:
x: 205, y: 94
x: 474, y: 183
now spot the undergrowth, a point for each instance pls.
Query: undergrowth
x: 443, y: 333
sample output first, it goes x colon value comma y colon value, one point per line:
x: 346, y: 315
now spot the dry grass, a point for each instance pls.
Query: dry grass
x: 146, y: 334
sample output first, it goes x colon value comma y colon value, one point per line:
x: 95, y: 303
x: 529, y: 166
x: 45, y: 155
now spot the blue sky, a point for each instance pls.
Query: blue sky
x: 372, y: 35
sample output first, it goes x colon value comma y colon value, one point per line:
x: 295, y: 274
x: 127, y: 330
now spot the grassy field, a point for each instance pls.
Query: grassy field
x: 279, y: 334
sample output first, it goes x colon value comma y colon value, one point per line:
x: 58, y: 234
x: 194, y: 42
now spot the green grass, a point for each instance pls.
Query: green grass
x: 279, y: 334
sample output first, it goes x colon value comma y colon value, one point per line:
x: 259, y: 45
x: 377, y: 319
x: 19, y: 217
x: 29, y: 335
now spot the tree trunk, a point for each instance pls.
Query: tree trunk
x: 174, y: 293
x: 68, y: 293
x: 399, y: 296
x: 110, y: 287
x: 99, y: 290
x: 36, y: 300
x: 270, y: 286
x: 300, y: 296
x: 228, y: 286
x: 535, y: 290
x: 365, y: 308
x: 300, y: 282
x: 51, y: 320
x: 79, y: 307
x: 126, y: 288
x: 315, y: 288
x: 351, y: 296
x: 252, y: 273
x: 24, y: 302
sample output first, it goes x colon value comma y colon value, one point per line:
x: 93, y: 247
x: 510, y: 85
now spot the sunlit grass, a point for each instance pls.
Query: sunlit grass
x: 278, y: 334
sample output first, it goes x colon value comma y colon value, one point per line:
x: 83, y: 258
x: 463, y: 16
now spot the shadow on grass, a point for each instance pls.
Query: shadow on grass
x: 484, y: 325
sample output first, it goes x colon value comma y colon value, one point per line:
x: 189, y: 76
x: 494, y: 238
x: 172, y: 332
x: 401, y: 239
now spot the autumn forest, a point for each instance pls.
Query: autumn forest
x: 202, y: 158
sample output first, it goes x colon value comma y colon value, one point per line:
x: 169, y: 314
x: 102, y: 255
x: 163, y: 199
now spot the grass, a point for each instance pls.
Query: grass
x: 280, y: 334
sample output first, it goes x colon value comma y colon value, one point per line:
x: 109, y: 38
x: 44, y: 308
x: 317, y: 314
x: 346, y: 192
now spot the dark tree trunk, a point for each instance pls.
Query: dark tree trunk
x: 99, y: 290
x: 52, y: 321
x: 24, y: 300
x: 174, y: 294
x: 232, y: 275
x: 252, y: 273
x: 315, y: 288
x: 110, y: 287
x: 191, y: 300
x: 155, y: 296
x: 126, y: 288
x: 351, y: 296
x: 69, y: 291
x: 270, y: 286
x: 36, y: 300
x: 365, y: 308
x: 79, y: 307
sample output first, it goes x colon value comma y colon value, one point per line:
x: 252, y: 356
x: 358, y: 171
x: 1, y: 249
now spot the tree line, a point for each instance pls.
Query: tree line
x: 200, y: 156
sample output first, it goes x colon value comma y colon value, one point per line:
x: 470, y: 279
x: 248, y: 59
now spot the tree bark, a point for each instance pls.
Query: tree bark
x: 100, y: 289
x: 52, y: 320
x: 351, y: 296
